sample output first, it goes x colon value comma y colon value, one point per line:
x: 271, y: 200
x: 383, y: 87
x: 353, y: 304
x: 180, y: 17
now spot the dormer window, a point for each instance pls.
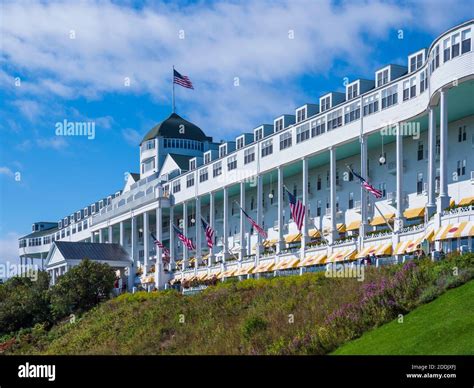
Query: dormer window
x: 93, y: 208
x: 352, y: 91
x: 258, y: 134
x: 60, y: 224
x: 192, y: 164
x: 240, y: 143
x: 223, y: 150
x: 65, y: 221
x: 300, y: 115
x: 382, y: 77
x: 78, y: 215
x: 86, y: 212
x: 416, y: 61
x: 207, y: 157
x: 278, y: 125
x: 325, y: 103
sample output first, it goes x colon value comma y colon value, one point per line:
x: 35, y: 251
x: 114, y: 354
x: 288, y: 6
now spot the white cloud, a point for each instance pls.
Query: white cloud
x: 6, y: 171
x: 222, y: 41
x: 28, y: 108
x: 56, y: 143
x: 132, y: 136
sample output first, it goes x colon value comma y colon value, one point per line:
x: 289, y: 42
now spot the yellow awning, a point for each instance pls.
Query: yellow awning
x: 429, y: 235
x: 291, y: 238
x: 354, y: 225
x: 244, y: 270
x: 290, y: 262
x: 266, y: 267
x: 461, y: 229
x: 452, y: 203
x: 202, y: 276
x: 341, y: 255
x: 341, y: 228
x: 313, y: 260
x: 408, y: 246
x: 269, y: 243
x: 229, y: 273
x: 314, y: 233
x: 414, y: 212
x: 466, y: 201
x: 377, y: 250
x: 376, y: 221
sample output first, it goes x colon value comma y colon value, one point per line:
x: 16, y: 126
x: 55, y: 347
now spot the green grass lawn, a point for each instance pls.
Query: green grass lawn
x: 444, y: 326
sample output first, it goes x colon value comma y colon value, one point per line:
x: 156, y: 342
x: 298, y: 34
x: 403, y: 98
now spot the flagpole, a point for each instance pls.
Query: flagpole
x: 388, y: 224
x: 173, y: 107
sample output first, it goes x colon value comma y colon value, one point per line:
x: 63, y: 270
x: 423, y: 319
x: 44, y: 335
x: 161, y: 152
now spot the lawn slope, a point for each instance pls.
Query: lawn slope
x: 444, y: 326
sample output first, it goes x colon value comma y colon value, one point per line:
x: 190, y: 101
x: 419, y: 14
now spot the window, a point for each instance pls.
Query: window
x: 222, y: 151
x: 382, y: 77
x: 435, y: 58
x: 352, y: 112
x: 325, y: 103
x: 278, y: 125
x: 232, y: 162
x: 148, y: 145
x: 465, y: 41
x: 285, y: 140
x: 258, y: 134
x: 267, y: 147
x: 302, y: 133
x: 190, y: 180
x: 318, y: 127
x: 148, y: 164
x: 78, y: 215
x: 446, y: 49
x: 383, y: 189
x: 409, y: 89
x: 240, y: 143
x: 462, y: 135
x: 455, y: 45
x: 423, y: 81
x: 86, y: 212
x: 328, y: 179
x: 334, y: 119
x: 207, y: 157
x: 389, y: 96
x: 419, y: 183
x: 301, y: 115
x: 177, y: 186
x: 60, y: 224
x: 420, y: 151
x: 318, y: 208
x: 217, y: 169
x: 203, y: 175
x: 351, y: 201
x: 461, y: 170
x: 371, y: 104
x: 192, y: 164
x: 352, y: 91
x: 249, y: 155
x: 416, y: 62
x: 318, y: 182
x: 350, y: 174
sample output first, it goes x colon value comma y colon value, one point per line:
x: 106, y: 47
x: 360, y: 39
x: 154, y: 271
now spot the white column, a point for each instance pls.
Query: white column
x: 110, y: 233
x: 134, y: 251
x: 146, y: 240
x: 198, y: 226
x: 101, y: 236
x: 212, y: 224
x: 259, y: 218
x: 431, y: 204
x: 159, y: 281
x: 304, y: 231
x: 92, y: 237
x: 281, y: 242
x: 243, y: 250
x: 121, y: 234
x: 443, y: 161
x: 332, y: 199
x: 399, y: 190
x: 363, y: 194
x: 185, y: 231
x: 226, y: 224
x: 172, y: 240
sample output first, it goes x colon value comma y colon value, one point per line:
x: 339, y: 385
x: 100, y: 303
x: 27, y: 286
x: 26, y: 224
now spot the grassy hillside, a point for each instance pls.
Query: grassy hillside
x: 444, y: 326
x: 309, y: 314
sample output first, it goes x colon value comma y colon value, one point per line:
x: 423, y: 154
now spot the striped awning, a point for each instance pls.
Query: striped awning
x: 202, y: 276
x: 264, y: 267
x: 270, y: 243
x: 244, y: 270
x: 354, y: 225
x: 342, y: 255
x: 377, y: 250
x: 341, y: 228
x: 313, y: 260
x: 290, y: 262
x: 415, y: 212
x: 408, y: 246
x: 314, y: 233
x: 466, y: 201
x: 291, y: 238
x: 229, y: 273
x: 376, y: 221
x: 461, y: 229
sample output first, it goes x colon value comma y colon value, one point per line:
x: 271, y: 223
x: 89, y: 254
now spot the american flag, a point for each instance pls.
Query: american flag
x: 366, y: 185
x: 259, y: 229
x: 209, y: 233
x: 186, y: 241
x: 297, y: 210
x: 160, y: 245
x: 182, y: 80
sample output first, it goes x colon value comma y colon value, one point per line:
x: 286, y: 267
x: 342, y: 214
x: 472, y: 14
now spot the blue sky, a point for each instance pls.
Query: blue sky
x: 72, y: 59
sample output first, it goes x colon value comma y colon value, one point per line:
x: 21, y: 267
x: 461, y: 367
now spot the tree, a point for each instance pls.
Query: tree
x: 81, y: 288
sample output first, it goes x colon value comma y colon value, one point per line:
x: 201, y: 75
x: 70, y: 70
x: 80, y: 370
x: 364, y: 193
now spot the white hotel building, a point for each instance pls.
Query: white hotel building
x: 427, y: 181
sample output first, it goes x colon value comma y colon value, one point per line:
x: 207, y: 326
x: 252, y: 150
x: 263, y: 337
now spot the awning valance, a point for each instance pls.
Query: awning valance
x: 314, y: 233
x: 244, y: 270
x: 342, y: 255
x: 291, y: 238
x: 290, y: 262
x: 313, y: 260
x: 466, y: 201
x: 376, y: 221
x: 408, y: 246
x: 383, y: 249
x: 264, y: 267
x: 461, y: 229
x: 414, y: 213
x: 354, y: 225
